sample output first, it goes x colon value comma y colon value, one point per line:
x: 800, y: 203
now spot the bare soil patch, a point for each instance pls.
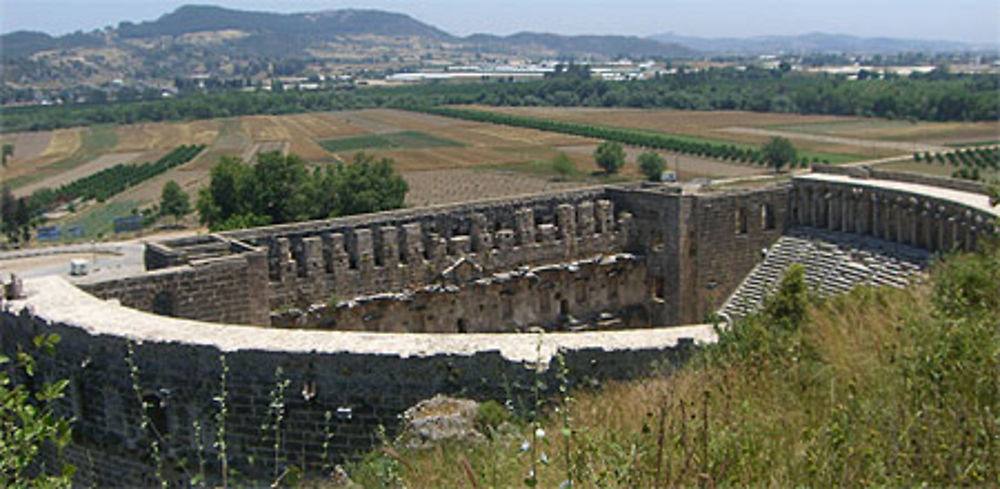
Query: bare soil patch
x: 459, y: 185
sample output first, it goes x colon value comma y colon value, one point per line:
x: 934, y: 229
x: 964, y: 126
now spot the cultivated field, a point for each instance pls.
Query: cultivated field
x: 920, y: 132
x: 443, y: 159
x: 733, y: 126
x: 448, y: 186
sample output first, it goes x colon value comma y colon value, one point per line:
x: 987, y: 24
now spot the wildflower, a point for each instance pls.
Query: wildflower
x: 539, y: 433
x: 525, y: 446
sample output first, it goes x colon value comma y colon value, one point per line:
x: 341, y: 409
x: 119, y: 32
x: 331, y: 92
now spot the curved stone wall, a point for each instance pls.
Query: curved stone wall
x: 340, y: 386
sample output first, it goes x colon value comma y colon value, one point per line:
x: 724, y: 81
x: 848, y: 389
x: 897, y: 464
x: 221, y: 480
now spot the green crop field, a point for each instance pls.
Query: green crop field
x: 398, y: 140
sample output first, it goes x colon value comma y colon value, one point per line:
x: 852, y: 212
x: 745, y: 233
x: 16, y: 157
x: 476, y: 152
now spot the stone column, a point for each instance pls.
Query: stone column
x: 389, y: 247
x: 605, y: 214
x: 311, y: 257
x: 802, y: 211
x: 875, y: 215
x: 413, y: 243
x: 863, y: 213
x: 585, y: 218
x: 482, y: 240
x: 835, y: 206
x: 335, y: 256
x: 524, y: 226
x: 363, y: 253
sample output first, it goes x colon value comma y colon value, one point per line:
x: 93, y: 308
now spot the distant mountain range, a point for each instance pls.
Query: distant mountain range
x: 271, y: 34
x: 198, y: 40
x: 819, y: 43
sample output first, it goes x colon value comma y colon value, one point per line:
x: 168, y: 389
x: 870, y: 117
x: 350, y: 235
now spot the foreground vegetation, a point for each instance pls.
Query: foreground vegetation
x: 937, y: 96
x: 876, y: 387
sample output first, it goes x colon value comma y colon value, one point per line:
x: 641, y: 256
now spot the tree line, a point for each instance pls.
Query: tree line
x: 938, y: 96
x: 280, y: 189
x: 971, y: 162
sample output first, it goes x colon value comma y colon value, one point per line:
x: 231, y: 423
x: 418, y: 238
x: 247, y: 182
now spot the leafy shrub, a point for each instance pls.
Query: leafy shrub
x: 490, y: 415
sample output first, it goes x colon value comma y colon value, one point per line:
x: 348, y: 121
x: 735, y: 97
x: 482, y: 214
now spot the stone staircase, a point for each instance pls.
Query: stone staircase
x: 834, y: 262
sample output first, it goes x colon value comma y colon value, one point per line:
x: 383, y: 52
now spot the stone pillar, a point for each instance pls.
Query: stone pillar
x: 585, y: 218
x: 482, y: 240
x: 949, y: 234
x: 624, y: 225
x: 847, y: 199
x: 814, y: 202
x: 310, y: 260
x: 436, y: 247
x: 892, y: 220
x: 389, y: 247
x: 835, y: 207
x: 862, y: 213
x: 566, y: 221
x: 805, y: 207
x: 605, y: 215
x: 413, y: 243
x: 284, y: 261
x: 335, y: 255
x: 925, y: 228
x: 363, y: 252
x: 524, y: 226
x: 875, y: 211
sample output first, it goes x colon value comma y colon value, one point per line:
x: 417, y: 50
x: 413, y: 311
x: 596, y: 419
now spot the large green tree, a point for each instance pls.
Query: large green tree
x: 610, y: 156
x: 279, y: 189
x: 174, y: 201
x: 652, y: 165
x: 778, y: 152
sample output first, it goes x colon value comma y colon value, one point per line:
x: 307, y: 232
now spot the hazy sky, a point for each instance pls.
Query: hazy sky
x: 962, y: 20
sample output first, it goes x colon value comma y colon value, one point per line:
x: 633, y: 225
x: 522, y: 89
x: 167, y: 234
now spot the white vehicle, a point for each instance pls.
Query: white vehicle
x: 79, y: 267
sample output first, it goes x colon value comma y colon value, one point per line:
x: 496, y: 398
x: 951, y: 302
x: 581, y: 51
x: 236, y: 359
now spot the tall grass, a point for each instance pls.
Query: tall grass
x: 875, y: 387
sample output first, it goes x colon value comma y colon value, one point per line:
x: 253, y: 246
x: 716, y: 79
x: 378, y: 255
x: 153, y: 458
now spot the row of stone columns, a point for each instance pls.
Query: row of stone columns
x: 410, y: 243
x: 918, y: 221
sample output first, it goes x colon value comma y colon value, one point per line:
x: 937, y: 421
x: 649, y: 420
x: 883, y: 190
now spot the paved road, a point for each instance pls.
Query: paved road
x: 105, y: 259
x: 907, y: 146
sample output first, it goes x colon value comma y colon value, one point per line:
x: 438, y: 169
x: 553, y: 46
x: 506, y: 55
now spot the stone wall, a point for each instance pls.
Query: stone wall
x: 923, y: 221
x: 387, y: 256
x: 228, y: 289
x: 902, y: 176
x: 601, y: 292
x: 727, y: 235
x: 340, y: 386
